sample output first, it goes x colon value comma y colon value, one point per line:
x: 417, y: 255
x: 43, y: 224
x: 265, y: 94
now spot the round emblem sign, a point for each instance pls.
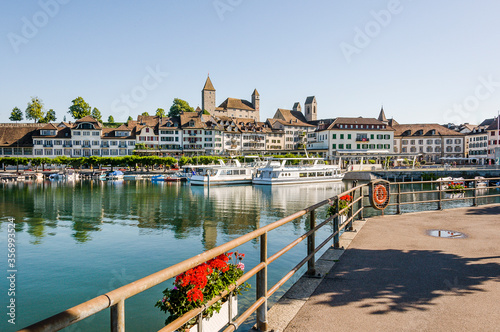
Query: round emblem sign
x: 380, y: 194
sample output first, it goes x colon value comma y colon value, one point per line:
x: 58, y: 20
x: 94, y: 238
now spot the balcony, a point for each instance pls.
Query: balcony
x: 86, y: 146
x: 362, y: 139
x: 48, y: 145
x: 67, y: 145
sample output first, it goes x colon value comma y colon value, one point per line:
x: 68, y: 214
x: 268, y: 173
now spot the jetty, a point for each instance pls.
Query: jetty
x: 393, y: 275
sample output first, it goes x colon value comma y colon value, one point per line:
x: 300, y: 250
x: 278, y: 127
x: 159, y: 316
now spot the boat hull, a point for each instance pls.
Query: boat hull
x: 214, y: 181
x: 274, y: 181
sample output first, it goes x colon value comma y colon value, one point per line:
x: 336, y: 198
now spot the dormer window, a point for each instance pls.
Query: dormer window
x: 86, y: 126
x: 147, y: 130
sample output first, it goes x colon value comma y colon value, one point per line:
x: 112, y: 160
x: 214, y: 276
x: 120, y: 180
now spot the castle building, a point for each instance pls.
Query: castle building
x: 231, y: 107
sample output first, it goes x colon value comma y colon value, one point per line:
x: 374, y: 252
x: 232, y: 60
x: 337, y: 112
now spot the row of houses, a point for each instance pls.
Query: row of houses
x: 234, y: 128
x: 287, y: 131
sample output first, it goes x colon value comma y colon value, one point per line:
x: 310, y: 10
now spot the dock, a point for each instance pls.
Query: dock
x: 393, y: 276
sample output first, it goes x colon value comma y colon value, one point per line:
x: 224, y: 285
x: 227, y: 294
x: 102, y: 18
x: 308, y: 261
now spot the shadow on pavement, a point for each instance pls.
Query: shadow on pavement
x: 393, y: 280
x: 485, y: 210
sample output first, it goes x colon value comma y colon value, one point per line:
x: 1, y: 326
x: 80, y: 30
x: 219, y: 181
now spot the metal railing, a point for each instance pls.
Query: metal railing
x: 115, y: 299
x: 441, y: 192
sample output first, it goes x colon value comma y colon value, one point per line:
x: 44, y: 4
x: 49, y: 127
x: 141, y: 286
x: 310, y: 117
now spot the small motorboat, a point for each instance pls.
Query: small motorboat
x: 165, y: 178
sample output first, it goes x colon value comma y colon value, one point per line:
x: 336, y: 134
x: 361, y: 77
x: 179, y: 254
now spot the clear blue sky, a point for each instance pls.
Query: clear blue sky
x: 427, y: 61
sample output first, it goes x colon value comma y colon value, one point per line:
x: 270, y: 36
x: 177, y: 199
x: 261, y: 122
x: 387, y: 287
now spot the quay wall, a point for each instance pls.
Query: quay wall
x: 420, y: 174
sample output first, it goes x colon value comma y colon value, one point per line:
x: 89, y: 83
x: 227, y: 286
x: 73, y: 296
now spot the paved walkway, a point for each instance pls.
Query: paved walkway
x: 395, y: 277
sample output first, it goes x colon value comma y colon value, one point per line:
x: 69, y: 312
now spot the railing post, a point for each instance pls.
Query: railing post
x: 311, y: 244
x: 262, y: 285
x: 360, y: 204
x: 398, y: 199
x: 349, y: 214
x: 474, y: 200
x: 118, y: 317
x: 440, y: 207
x: 336, y: 238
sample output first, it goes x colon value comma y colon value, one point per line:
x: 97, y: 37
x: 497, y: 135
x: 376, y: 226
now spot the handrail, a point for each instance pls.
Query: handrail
x: 115, y: 298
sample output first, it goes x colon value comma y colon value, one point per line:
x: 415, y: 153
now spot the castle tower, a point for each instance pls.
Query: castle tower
x: 208, y: 96
x: 256, y: 104
x: 297, y: 107
x: 311, y: 109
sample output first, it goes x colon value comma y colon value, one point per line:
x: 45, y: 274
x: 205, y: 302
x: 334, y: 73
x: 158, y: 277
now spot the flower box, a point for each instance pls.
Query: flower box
x: 218, y: 320
x: 454, y: 195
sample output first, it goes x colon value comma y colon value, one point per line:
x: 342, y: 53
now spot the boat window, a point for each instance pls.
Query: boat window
x: 312, y: 174
x: 302, y: 175
x: 328, y: 173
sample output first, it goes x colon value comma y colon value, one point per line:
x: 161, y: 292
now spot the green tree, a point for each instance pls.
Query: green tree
x: 179, y: 106
x: 96, y: 114
x: 206, y: 112
x: 16, y: 114
x: 130, y: 118
x: 34, y: 111
x: 111, y: 119
x: 160, y: 112
x: 50, y: 116
x: 145, y: 114
x: 79, y: 109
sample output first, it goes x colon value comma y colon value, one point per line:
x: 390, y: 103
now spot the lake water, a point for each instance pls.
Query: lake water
x: 75, y: 241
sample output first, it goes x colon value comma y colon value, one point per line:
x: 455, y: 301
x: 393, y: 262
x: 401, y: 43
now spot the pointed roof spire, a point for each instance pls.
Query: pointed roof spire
x: 381, y: 116
x: 208, y: 85
x: 255, y: 92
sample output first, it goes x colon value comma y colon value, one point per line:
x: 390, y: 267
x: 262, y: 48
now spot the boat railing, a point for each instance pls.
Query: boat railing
x: 315, y: 218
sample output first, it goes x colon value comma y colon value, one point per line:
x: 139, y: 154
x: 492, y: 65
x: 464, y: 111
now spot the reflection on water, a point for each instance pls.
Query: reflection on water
x: 41, y: 208
x: 81, y: 239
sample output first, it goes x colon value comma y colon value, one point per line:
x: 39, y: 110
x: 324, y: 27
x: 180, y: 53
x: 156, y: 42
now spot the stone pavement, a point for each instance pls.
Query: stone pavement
x: 395, y: 277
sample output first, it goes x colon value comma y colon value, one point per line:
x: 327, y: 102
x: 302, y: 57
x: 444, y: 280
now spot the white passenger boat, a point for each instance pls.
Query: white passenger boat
x: 233, y: 172
x: 308, y: 170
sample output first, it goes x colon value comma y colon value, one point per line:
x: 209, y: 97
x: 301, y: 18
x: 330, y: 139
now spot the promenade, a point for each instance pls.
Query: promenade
x: 393, y: 276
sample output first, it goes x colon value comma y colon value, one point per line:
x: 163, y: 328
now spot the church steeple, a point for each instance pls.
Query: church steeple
x: 381, y: 116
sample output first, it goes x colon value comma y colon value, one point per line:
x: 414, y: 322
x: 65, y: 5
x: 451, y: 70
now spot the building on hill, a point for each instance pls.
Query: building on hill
x: 295, y: 130
x: 231, y: 107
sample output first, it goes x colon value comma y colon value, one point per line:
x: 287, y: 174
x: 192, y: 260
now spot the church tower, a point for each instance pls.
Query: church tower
x: 208, y: 96
x: 256, y: 104
x: 311, y: 109
x: 381, y: 116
